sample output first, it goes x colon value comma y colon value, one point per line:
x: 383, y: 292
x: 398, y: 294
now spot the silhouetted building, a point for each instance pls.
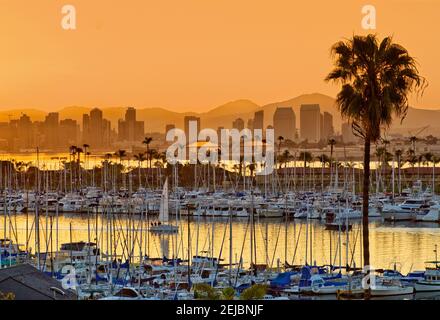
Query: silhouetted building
x: 347, y: 133
x: 130, y: 129
x: 69, y: 133
x: 26, y: 136
x: 96, y: 130
x: 238, y: 124
x: 327, y: 126
x: 310, y: 122
x: 258, y: 122
x: 284, y: 123
x: 189, y: 138
x: 51, y: 130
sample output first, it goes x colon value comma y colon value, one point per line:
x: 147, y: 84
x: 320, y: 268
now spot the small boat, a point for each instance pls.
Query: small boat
x: 383, y: 290
x: 163, y: 225
x: 431, y: 281
x: 408, y: 210
x: 433, y: 215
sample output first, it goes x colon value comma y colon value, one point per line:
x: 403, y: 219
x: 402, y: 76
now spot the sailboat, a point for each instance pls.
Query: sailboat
x: 163, y: 225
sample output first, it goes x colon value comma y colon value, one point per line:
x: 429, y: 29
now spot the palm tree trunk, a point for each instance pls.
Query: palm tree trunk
x: 365, y: 202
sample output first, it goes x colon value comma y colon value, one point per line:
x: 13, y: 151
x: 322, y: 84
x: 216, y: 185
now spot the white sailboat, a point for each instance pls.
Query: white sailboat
x: 163, y: 225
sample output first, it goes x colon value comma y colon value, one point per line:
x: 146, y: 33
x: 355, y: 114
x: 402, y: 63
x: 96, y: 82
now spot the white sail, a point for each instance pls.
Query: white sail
x: 163, y: 211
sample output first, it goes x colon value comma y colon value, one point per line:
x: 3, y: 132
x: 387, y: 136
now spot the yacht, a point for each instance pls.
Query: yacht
x: 408, y: 210
x: 432, y: 215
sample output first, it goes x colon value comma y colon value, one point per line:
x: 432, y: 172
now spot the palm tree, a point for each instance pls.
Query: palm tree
x: 413, y: 141
x: 147, y: 142
x: 376, y: 79
x: 331, y: 143
x: 121, y: 154
x: 324, y: 159
x: 306, y: 157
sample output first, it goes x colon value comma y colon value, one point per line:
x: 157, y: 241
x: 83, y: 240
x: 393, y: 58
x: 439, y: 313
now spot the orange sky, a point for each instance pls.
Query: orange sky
x: 193, y: 54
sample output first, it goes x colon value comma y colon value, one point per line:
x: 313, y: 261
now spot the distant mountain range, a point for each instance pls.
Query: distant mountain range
x: 156, y: 118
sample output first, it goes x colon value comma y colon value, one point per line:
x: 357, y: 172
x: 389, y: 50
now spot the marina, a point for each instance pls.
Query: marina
x: 298, y: 245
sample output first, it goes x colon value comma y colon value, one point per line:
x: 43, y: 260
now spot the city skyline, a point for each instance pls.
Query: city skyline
x: 183, y: 66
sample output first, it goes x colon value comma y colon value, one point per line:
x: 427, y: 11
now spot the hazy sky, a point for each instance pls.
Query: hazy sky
x: 193, y: 54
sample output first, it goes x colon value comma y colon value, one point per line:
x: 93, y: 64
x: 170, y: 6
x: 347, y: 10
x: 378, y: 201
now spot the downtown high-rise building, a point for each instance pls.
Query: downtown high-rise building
x: 130, y: 129
x: 96, y: 129
x: 51, y: 130
x: 69, y: 133
x: 191, y: 139
x: 310, y: 123
x: 347, y: 133
x: 284, y: 123
x: 327, y: 126
x: 258, y: 122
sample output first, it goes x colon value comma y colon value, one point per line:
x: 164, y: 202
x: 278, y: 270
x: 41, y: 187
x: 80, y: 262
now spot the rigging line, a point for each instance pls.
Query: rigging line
x: 297, y: 242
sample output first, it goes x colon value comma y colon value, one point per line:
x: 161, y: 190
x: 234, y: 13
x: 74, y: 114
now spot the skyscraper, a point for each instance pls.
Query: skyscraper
x: 51, y: 130
x: 69, y: 132
x: 310, y: 119
x: 284, y: 123
x: 190, y: 139
x: 25, y: 132
x: 347, y: 133
x: 130, y: 129
x: 327, y: 126
x: 96, y: 129
x: 258, y: 122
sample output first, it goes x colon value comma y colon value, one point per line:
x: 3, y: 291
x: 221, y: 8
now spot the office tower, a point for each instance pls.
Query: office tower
x: 187, y: 121
x: 51, y: 130
x: 321, y: 126
x: 191, y: 139
x: 258, y: 120
x: 96, y: 130
x: 69, y: 133
x: 347, y: 133
x: 130, y: 129
x: 238, y: 124
x: 327, y: 126
x: 310, y: 122
x: 23, y: 133
x: 284, y: 123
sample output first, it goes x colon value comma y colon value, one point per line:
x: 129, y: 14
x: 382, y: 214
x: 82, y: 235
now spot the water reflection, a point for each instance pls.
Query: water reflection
x: 404, y: 244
